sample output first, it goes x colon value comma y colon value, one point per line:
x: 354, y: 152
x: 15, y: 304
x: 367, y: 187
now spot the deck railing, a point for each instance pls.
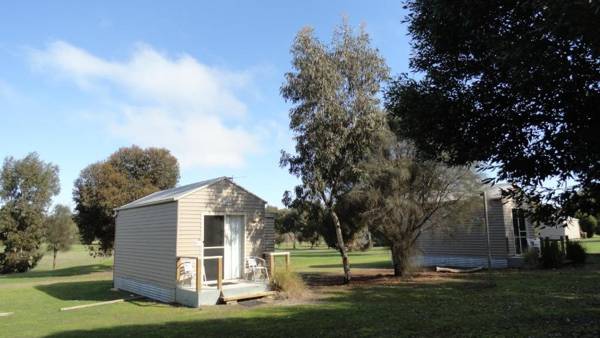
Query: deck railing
x: 199, y: 262
x: 271, y: 259
x: 199, y: 266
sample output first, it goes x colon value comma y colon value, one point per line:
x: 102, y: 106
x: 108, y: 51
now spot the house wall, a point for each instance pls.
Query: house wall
x: 145, y: 251
x: 223, y: 197
x: 572, y: 230
x: 466, y: 244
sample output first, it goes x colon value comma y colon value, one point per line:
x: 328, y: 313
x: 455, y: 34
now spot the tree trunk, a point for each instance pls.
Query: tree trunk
x: 399, y: 259
x: 54, y: 259
x: 341, y: 246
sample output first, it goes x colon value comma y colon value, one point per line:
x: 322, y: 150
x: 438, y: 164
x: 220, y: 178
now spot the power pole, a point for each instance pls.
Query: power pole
x: 487, y: 228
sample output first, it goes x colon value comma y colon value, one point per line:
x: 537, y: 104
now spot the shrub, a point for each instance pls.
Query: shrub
x: 289, y: 283
x: 588, y: 225
x: 576, y: 252
x: 552, y: 255
x: 531, y: 258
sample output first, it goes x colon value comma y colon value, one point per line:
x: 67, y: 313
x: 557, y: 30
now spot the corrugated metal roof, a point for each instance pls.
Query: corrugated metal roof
x: 168, y: 195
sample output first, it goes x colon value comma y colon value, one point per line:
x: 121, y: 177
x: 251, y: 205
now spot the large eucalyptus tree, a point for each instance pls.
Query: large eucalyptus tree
x: 336, y: 110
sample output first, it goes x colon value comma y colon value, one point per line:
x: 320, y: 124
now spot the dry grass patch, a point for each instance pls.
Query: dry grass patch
x: 290, y: 285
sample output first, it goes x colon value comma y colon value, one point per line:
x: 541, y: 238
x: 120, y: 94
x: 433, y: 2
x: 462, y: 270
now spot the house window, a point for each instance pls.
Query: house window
x: 520, y: 231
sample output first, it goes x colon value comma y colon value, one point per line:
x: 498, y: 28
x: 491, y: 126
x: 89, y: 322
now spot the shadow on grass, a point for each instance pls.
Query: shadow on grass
x: 84, y: 291
x: 66, y: 272
x: 445, y: 309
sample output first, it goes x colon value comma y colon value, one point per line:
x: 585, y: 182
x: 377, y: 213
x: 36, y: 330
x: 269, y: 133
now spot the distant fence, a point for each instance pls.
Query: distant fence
x: 561, y: 242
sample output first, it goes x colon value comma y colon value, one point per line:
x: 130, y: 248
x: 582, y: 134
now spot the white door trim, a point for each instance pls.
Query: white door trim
x: 243, y: 239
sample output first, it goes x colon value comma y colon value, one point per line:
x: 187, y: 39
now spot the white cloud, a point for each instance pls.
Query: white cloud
x: 179, y: 103
x: 197, y: 141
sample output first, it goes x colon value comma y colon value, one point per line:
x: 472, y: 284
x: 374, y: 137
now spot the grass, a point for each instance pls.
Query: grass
x: 592, y: 245
x: 523, y: 303
x: 327, y: 260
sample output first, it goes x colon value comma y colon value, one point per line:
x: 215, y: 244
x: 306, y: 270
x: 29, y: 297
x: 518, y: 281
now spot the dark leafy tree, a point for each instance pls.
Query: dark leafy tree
x: 128, y: 174
x: 313, y: 222
x: 333, y: 89
x: 61, y: 231
x: 513, y: 86
x: 286, y: 223
x: 26, y: 190
x: 588, y: 224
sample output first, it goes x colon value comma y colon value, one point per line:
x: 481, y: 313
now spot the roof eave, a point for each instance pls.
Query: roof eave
x: 125, y: 207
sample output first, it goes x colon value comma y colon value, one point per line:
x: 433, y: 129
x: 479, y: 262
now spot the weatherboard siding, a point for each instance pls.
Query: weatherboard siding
x: 571, y: 230
x: 145, y: 241
x: 467, y: 240
x: 223, y: 197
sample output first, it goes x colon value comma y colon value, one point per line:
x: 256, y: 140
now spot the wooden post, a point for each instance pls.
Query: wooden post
x: 562, y: 245
x: 271, y: 264
x: 220, y: 273
x: 487, y: 231
x: 198, y: 274
x: 287, y: 262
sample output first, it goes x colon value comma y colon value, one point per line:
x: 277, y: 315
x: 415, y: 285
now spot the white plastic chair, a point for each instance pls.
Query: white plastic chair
x: 186, y: 273
x: 534, y: 243
x: 257, y: 268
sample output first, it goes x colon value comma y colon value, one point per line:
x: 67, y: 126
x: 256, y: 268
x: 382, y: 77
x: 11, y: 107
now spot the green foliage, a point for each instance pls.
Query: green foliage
x: 588, y: 224
x: 128, y: 174
x: 406, y: 195
x: 551, y: 254
x: 313, y: 222
x: 290, y: 283
x: 334, y: 91
x: 576, y: 252
x: 26, y: 189
x: 513, y: 86
x: 531, y: 258
x: 61, y: 231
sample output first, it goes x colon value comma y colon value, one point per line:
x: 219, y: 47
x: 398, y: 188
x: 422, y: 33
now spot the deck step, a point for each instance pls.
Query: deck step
x: 243, y: 296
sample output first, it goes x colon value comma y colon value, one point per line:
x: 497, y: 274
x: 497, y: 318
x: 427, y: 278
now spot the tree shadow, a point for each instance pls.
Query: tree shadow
x: 83, y: 291
x: 444, y: 309
x: 65, y: 272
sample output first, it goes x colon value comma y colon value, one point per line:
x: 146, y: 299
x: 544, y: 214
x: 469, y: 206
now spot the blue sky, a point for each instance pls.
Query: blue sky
x: 79, y: 79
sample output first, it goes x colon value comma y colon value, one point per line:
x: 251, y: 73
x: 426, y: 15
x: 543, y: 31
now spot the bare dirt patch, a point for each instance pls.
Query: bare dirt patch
x: 385, y: 277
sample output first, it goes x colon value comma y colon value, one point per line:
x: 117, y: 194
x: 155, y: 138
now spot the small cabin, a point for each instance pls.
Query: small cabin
x: 191, y: 244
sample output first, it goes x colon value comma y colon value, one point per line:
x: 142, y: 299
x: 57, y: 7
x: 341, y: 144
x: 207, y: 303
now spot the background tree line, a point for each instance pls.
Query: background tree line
x: 27, y: 186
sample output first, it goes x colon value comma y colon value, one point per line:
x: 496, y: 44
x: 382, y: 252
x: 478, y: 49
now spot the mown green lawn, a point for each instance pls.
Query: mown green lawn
x: 592, y: 245
x: 515, y: 303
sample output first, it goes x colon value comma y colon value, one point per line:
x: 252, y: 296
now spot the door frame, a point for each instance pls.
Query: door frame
x: 242, y: 247
x: 518, y: 236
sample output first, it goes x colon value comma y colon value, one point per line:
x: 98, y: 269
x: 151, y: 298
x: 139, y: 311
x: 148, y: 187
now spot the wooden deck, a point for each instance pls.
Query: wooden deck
x: 231, y: 290
x: 198, y: 293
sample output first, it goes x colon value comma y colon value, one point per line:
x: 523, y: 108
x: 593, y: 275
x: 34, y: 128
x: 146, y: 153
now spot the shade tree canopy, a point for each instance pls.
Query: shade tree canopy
x: 128, y: 174
x: 27, y: 186
x: 512, y: 86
